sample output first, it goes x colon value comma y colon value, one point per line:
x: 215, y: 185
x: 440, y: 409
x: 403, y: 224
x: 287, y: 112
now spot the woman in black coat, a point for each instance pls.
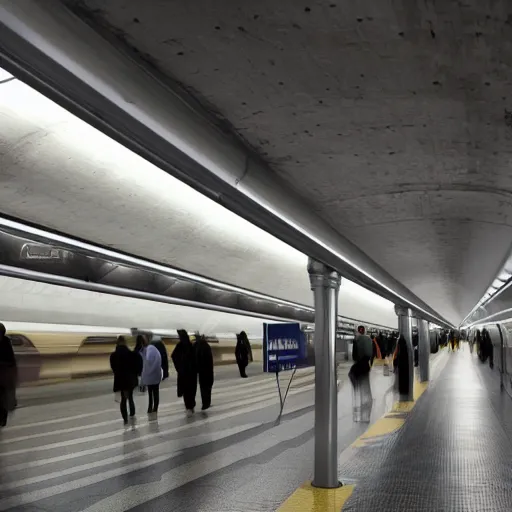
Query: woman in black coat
x: 204, y: 364
x: 184, y: 360
x: 127, y: 366
x: 243, y: 353
x: 403, y: 366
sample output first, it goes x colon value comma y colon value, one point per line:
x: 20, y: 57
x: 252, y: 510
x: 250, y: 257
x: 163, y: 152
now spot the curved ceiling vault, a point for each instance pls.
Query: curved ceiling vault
x: 60, y: 173
x: 389, y: 119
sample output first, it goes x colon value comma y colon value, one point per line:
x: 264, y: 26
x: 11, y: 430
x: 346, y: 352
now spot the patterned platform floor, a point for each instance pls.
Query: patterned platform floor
x: 453, y: 454
x: 74, y: 454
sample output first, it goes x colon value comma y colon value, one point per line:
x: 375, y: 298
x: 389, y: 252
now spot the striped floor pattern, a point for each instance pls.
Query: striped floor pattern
x: 76, y: 455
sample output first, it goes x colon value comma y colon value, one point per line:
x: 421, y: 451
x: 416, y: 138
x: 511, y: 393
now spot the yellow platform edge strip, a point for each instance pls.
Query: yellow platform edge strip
x: 311, y: 499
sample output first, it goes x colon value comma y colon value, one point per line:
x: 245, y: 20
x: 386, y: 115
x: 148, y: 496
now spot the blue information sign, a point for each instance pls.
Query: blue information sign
x: 284, y: 347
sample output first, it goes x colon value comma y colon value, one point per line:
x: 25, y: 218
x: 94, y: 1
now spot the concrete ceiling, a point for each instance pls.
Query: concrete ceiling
x: 391, y: 120
x: 58, y: 172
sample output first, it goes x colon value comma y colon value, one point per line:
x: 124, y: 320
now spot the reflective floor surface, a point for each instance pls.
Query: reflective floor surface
x: 72, y: 454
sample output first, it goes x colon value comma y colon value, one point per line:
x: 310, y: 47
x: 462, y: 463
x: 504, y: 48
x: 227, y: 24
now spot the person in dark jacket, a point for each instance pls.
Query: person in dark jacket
x: 184, y: 360
x: 402, y: 360
x: 160, y: 345
x: 204, y: 365
x: 243, y: 353
x: 8, y: 376
x: 139, y: 347
x: 126, y: 365
x: 362, y: 354
x: 486, y: 348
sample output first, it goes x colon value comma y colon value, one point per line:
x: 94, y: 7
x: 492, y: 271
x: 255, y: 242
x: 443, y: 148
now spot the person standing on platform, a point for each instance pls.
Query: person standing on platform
x: 204, y: 364
x: 402, y: 361
x: 243, y: 353
x: 151, y: 374
x: 184, y: 360
x: 139, y: 346
x: 160, y: 345
x: 126, y: 365
x: 362, y: 354
x: 8, y: 376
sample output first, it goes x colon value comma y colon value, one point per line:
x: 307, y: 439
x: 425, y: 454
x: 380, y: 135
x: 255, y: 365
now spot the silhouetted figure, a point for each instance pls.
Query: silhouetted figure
x: 362, y: 354
x: 486, y: 349
x: 381, y: 340
x: 243, y: 353
x: 204, y: 365
x: 160, y: 345
x: 126, y: 365
x: 184, y: 360
x: 139, y: 346
x: 8, y: 376
x: 415, y: 343
x: 402, y: 360
x: 151, y: 374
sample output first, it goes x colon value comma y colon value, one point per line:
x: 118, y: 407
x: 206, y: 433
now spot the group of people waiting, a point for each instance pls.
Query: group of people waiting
x: 146, y: 366
x: 148, y: 361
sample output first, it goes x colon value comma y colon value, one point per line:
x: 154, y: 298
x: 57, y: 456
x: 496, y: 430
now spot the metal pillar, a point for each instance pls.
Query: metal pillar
x: 405, y: 328
x: 325, y: 283
x: 423, y: 350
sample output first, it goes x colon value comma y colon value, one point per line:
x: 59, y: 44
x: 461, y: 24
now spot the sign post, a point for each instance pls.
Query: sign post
x: 284, y: 349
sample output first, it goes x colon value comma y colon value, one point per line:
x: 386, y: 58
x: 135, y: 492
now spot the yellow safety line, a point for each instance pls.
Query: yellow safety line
x: 311, y: 499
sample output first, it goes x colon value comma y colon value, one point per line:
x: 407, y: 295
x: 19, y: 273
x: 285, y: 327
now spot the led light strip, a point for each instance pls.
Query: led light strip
x: 487, y: 318
x: 146, y: 264
x: 8, y: 271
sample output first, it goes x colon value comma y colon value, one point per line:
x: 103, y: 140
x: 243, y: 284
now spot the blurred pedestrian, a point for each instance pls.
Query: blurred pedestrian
x: 204, y: 364
x: 126, y: 365
x: 362, y: 354
x: 151, y: 374
x: 243, y: 353
x: 160, y: 345
x: 8, y: 376
x: 139, y: 347
x: 184, y: 360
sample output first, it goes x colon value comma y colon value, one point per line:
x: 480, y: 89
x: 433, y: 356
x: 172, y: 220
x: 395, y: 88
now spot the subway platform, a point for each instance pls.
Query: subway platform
x: 453, y: 453
x: 450, y: 450
x: 66, y: 450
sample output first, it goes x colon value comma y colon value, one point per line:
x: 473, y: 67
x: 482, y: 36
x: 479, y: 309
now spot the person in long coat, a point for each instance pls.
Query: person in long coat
x: 160, y: 345
x: 126, y: 365
x: 243, y: 353
x: 139, y: 347
x: 184, y: 360
x: 402, y: 359
x: 8, y: 376
x: 204, y: 365
x: 151, y: 374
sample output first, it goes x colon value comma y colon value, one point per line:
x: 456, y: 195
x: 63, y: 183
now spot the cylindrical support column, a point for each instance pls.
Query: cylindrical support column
x: 423, y: 350
x: 405, y: 329
x: 325, y: 283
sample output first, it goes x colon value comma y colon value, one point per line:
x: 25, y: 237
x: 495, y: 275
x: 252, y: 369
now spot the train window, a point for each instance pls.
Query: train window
x: 100, y: 340
x: 19, y: 340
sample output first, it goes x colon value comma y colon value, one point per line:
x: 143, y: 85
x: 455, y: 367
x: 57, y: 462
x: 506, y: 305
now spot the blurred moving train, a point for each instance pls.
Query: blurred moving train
x: 48, y: 357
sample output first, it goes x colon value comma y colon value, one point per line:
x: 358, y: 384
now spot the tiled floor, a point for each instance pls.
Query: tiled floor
x: 453, y: 454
